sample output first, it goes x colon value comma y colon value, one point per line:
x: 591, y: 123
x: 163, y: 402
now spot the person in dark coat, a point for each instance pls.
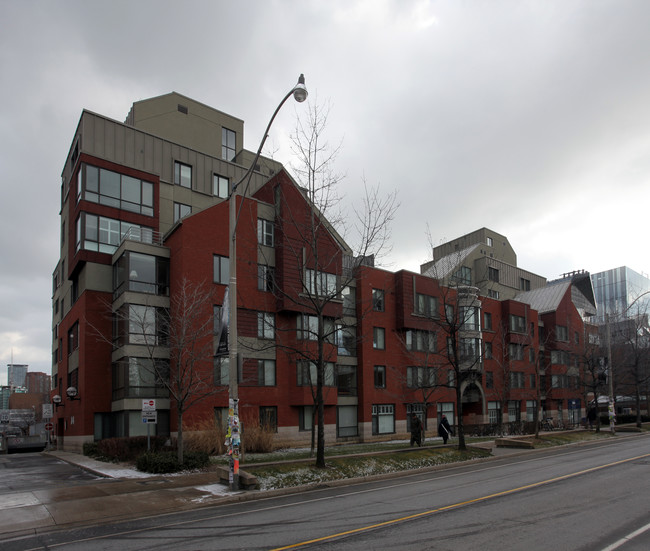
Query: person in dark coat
x: 444, y: 430
x: 416, y: 430
x: 591, y: 417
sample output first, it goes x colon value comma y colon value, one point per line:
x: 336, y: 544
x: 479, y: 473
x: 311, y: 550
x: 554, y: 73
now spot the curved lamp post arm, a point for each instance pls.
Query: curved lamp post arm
x: 299, y: 92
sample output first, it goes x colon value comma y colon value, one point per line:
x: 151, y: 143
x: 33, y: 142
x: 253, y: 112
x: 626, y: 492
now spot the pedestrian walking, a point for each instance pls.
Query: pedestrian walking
x: 591, y: 417
x: 416, y: 430
x: 444, y: 429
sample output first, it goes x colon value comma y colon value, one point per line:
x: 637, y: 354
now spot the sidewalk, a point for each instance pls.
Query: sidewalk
x: 123, y: 494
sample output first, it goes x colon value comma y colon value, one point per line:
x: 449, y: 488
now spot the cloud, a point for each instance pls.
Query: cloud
x: 529, y: 118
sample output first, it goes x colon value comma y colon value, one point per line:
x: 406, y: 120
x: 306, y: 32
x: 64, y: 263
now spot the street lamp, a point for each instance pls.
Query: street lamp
x: 299, y: 92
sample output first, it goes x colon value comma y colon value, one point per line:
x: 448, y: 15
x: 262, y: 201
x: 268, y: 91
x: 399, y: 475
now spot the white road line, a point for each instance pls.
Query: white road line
x: 627, y: 538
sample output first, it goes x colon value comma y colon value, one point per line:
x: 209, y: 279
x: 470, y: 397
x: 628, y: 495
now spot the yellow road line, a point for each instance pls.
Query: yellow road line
x: 457, y: 505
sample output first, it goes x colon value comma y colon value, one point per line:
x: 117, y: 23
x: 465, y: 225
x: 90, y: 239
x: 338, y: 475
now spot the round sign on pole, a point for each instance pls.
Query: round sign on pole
x: 49, y: 426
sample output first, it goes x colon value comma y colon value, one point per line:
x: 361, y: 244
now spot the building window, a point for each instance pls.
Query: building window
x: 426, y: 305
x: 346, y: 340
x: 379, y: 338
x: 221, y: 269
x: 487, y: 321
x: 531, y: 406
x: 516, y: 379
x: 346, y: 421
x: 489, y: 242
x: 378, y: 300
x: 228, y: 144
x: 320, y: 283
x: 182, y: 174
x: 265, y: 232
x: 493, y: 274
x: 470, y: 350
x: 524, y: 284
x: 488, y: 351
x: 265, y: 325
x: 463, y: 275
x: 220, y: 186
x: 469, y: 317
x: 73, y: 338
x: 383, y: 419
x: 140, y: 324
x: 265, y: 277
x: 346, y: 380
x: 559, y: 357
x: 181, y: 211
x: 269, y: 418
x: 104, y: 235
x: 380, y: 376
x: 109, y: 188
x: 489, y: 379
x: 493, y: 294
x: 141, y: 273
x: 531, y: 355
x: 308, y: 328
x: 349, y: 294
x: 134, y: 377
x: 516, y: 351
x: 306, y: 418
x: 221, y: 370
x: 420, y: 377
x: 494, y: 413
x: 421, y: 341
x: 517, y: 324
x: 266, y: 372
x: 561, y: 333
x: 514, y: 410
x: 307, y: 372
x: 533, y: 381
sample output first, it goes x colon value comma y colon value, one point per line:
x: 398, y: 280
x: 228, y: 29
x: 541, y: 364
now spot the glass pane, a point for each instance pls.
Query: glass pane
x: 130, y: 189
x: 92, y: 179
x: 147, y: 194
x: 109, y: 183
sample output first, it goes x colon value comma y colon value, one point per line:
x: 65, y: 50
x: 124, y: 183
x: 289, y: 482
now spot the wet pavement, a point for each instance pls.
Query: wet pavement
x: 98, y: 493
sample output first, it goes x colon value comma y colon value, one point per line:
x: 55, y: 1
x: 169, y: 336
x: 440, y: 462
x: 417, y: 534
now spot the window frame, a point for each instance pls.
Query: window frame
x: 223, y: 263
x: 181, y: 176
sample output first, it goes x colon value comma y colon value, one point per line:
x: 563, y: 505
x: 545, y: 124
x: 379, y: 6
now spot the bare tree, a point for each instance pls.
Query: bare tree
x: 177, y: 345
x: 326, y: 264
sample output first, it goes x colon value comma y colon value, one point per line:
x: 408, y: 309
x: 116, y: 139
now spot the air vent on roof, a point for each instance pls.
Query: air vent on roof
x: 182, y: 109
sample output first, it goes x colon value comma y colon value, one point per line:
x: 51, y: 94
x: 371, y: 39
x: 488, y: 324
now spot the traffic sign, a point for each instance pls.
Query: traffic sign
x: 49, y: 426
x: 149, y: 416
x: 148, y: 405
x: 47, y: 411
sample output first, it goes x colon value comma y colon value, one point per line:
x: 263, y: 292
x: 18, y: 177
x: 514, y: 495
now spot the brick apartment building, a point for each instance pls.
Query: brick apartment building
x: 144, y: 211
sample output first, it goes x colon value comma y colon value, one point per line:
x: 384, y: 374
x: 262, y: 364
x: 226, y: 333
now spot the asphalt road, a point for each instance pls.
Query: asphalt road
x: 23, y: 472
x: 586, y: 497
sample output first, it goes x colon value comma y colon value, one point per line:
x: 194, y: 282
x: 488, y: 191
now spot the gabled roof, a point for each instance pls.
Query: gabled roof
x: 545, y: 299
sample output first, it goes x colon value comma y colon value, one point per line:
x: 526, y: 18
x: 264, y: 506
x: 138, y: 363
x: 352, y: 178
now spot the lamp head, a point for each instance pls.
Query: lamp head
x: 300, y: 90
x: 72, y: 393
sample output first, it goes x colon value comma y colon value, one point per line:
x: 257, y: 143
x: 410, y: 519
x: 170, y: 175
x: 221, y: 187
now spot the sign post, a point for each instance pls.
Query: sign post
x: 149, y: 415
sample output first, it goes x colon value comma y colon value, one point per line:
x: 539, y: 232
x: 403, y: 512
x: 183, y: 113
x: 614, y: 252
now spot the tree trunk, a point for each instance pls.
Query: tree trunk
x: 179, y: 439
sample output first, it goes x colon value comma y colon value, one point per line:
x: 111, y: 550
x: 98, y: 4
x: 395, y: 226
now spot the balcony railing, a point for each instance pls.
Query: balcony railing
x: 142, y: 235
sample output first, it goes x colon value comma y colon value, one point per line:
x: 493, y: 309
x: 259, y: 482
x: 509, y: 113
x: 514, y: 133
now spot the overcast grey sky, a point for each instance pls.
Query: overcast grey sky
x: 530, y: 118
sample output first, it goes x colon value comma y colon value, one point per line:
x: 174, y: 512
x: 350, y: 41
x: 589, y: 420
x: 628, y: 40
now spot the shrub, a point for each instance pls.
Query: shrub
x: 91, y: 449
x: 258, y: 438
x: 167, y: 462
x: 206, y: 436
x: 128, y: 448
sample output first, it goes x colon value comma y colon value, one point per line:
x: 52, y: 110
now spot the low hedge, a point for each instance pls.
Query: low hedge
x: 167, y: 462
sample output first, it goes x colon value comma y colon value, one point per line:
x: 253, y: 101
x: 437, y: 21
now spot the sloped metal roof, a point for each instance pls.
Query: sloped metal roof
x: 445, y: 266
x: 545, y: 299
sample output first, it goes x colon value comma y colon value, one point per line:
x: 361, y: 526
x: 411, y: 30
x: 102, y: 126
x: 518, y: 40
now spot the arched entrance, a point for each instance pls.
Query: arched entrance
x: 473, y: 399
